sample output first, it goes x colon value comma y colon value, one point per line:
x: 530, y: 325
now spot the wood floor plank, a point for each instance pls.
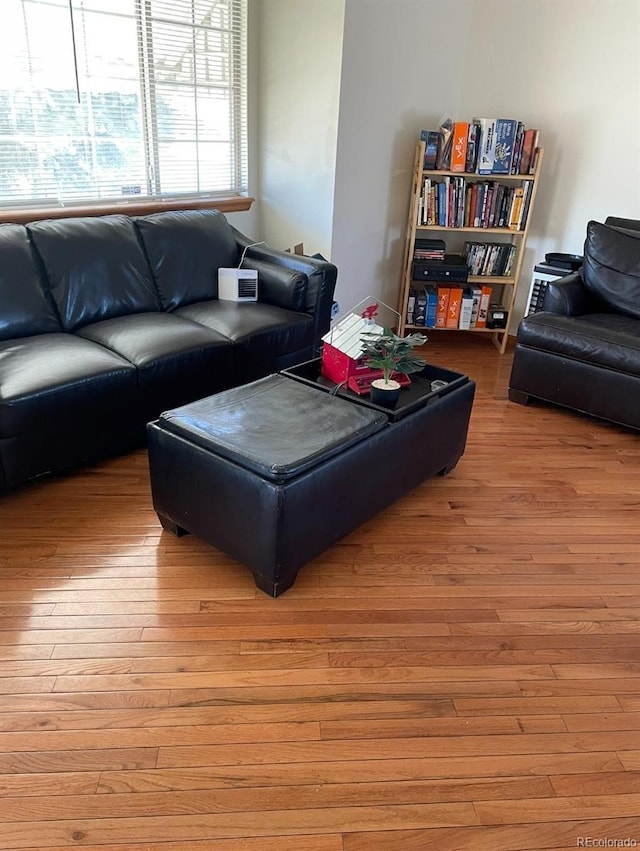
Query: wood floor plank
x: 460, y: 673
x: 524, y: 837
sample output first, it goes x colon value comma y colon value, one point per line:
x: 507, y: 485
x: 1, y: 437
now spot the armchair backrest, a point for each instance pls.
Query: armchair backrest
x: 611, y: 269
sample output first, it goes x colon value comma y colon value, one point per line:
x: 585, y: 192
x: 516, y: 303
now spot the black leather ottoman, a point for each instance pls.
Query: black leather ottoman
x: 274, y: 472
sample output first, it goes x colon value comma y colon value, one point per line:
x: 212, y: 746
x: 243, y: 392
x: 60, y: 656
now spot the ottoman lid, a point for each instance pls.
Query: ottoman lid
x: 276, y: 426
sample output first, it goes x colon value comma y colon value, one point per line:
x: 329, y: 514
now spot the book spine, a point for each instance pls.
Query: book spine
x: 466, y: 307
x: 471, y: 159
x: 411, y: 305
x: 443, y: 304
x: 476, y: 292
x: 527, y: 151
x: 516, y: 208
x: 517, y: 150
x: 504, y: 144
x: 453, y: 308
x: 487, y: 145
x: 483, y: 307
x: 420, y: 314
x: 432, y: 306
x: 459, y: 145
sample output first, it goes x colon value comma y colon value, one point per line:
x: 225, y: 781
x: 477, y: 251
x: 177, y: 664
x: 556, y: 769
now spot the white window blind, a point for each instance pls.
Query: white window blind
x: 107, y: 99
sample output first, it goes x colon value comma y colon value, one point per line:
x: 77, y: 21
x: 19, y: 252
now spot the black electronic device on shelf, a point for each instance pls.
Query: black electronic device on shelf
x: 570, y: 262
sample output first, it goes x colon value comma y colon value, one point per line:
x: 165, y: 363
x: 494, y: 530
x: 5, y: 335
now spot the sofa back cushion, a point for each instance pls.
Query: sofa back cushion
x: 611, y: 269
x: 95, y: 268
x: 185, y: 249
x: 25, y: 307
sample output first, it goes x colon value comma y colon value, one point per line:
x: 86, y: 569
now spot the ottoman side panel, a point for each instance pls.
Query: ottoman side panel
x: 330, y: 501
x: 215, y: 499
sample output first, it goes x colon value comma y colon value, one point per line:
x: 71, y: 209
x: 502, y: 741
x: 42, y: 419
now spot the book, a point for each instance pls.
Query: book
x: 411, y: 305
x: 517, y: 151
x: 487, y: 145
x: 528, y: 144
x: 476, y: 292
x: 442, y: 306
x: 459, y: 145
x: 483, y: 307
x: 453, y: 307
x: 471, y: 160
x: 431, y: 138
x: 516, y: 208
x: 466, y: 307
x: 505, y: 139
x: 432, y: 306
x: 444, y: 148
x: 534, y: 157
x: 420, y: 314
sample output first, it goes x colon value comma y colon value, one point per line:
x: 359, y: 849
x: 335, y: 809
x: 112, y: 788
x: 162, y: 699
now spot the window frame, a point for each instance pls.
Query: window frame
x: 226, y: 201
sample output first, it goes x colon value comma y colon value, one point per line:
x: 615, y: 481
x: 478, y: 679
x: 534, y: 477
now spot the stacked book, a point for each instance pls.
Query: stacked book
x: 482, y: 146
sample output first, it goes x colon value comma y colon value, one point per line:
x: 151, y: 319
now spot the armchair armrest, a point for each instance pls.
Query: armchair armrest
x: 320, y: 278
x: 569, y: 296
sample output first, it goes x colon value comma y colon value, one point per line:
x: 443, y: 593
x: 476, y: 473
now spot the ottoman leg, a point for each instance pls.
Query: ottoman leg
x: 518, y: 396
x: 172, y: 527
x: 270, y: 586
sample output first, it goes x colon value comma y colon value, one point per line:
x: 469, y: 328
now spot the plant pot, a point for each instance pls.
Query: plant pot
x: 385, y: 393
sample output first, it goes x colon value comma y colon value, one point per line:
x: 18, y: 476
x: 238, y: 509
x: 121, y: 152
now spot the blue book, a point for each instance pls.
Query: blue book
x: 505, y: 141
x: 432, y: 306
x: 442, y: 204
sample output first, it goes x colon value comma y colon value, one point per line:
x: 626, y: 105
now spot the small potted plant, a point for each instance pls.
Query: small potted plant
x: 392, y: 354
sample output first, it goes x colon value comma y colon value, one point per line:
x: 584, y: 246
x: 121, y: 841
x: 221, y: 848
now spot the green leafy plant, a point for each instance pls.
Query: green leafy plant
x: 392, y: 353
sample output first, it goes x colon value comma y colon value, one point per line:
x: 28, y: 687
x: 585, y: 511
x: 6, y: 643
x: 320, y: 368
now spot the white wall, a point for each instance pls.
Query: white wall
x: 299, y: 48
x: 400, y: 75
x: 572, y: 69
x: 569, y: 67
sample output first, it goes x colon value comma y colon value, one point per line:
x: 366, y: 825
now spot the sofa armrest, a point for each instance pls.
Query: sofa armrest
x: 320, y: 276
x: 569, y: 296
x: 278, y: 285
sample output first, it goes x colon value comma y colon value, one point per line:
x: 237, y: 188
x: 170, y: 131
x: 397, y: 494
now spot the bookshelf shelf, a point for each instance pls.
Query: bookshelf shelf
x: 503, y: 288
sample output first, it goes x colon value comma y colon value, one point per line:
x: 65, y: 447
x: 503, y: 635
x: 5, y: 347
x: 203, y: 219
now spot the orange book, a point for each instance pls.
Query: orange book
x: 453, y: 308
x: 443, y: 304
x: 459, y: 145
x: 483, y: 307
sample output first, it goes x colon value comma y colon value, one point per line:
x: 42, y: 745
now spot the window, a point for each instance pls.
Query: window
x: 101, y: 100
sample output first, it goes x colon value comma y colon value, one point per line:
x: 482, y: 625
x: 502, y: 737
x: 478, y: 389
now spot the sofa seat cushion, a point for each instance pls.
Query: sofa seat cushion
x: 25, y: 308
x: 258, y: 326
x: 185, y: 249
x: 95, y: 268
x: 52, y: 379
x: 604, y: 339
x: 177, y: 360
x: 611, y: 269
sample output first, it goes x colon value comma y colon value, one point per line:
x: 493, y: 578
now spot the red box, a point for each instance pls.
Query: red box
x: 338, y: 367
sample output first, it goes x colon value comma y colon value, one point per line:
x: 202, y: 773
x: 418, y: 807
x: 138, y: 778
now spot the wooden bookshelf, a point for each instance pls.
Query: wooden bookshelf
x: 504, y: 287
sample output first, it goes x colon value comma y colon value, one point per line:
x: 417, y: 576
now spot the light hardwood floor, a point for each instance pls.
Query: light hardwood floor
x: 459, y: 674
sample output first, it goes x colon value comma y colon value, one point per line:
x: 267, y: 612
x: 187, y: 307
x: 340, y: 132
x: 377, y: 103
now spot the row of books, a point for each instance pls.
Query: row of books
x: 482, y: 146
x: 455, y: 202
x: 462, y: 308
x: 489, y: 258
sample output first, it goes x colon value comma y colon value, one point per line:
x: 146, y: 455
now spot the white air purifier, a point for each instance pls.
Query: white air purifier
x: 237, y: 285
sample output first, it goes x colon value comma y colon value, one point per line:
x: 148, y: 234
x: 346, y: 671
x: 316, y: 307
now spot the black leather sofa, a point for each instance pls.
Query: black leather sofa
x: 583, y: 350
x: 107, y: 321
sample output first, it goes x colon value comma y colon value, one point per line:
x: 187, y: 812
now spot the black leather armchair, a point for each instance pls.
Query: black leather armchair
x: 583, y: 350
